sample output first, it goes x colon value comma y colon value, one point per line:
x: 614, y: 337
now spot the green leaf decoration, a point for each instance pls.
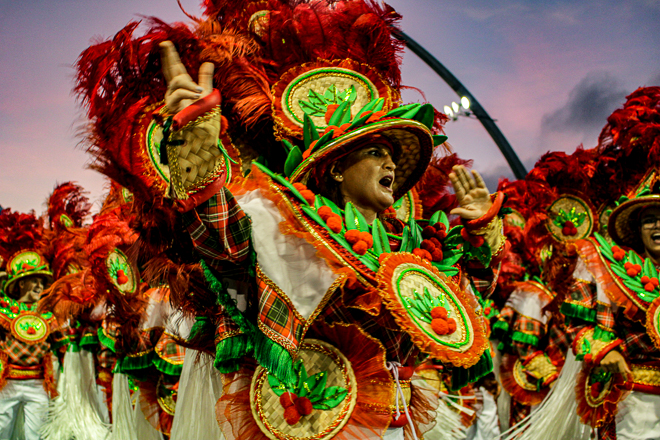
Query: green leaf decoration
x: 406, y: 240
x: 359, y: 120
x: 363, y: 226
x: 440, y: 217
x: 349, y: 217
x: 439, y: 139
x: 316, y: 392
x: 415, y: 234
x: 323, y: 140
x: 425, y: 115
x: 367, y: 108
x: 288, y: 146
x: 402, y: 110
x: 332, y: 396
x: 450, y: 271
x: 341, y: 115
x: 282, y: 181
x: 292, y: 160
x: 378, y: 105
x: 278, y: 387
x: 380, y: 235
x: 310, y: 132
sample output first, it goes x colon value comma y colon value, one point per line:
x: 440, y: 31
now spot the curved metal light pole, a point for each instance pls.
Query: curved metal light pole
x: 489, y: 124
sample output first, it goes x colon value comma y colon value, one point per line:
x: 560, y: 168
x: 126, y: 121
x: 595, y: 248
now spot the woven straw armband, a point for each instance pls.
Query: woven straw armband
x: 193, y: 155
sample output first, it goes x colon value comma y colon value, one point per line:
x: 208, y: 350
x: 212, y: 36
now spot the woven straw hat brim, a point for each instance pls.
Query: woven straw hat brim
x: 12, y: 282
x: 621, y: 228
x: 412, y: 137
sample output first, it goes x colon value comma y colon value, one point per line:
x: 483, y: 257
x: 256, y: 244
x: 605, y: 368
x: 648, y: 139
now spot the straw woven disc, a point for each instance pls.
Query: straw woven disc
x: 317, y: 356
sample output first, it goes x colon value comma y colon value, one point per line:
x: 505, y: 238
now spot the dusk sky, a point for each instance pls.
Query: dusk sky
x: 548, y: 72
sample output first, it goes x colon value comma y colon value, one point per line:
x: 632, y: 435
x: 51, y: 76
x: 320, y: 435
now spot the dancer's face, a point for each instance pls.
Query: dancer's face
x: 366, y: 178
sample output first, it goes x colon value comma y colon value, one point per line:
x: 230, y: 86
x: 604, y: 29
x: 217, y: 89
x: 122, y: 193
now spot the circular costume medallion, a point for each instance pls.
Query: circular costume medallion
x: 570, y: 218
x: 311, y: 92
x: 515, y: 219
x: 154, y: 137
x: 318, y: 359
x: 432, y: 309
x: 258, y: 22
x: 29, y: 328
x: 121, y: 272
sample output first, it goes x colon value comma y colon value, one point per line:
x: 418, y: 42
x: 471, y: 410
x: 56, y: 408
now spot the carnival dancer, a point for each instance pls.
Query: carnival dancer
x: 319, y: 300
x: 29, y: 339
x: 612, y: 304
x: 79, y: 411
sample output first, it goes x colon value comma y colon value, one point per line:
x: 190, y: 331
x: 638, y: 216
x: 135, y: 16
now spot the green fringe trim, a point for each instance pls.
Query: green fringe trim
x: 461, y: 377
x: 89, y: 340
x: 132, y: 363
x: 272, y: 356
x: 202, y: 325
x: 64, y: 342
x: 603, y: 335
x: 166, y: 367
x: 525, y: 338
x: 230, y: 351
x: 499, y: 329
x: 275, y: 359
x: 105, y: 340
x: 575, y: 311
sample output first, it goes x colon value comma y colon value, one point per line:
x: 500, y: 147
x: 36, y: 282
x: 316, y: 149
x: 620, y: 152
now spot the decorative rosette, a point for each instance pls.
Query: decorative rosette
x: 342, y: 386
x: 570, y: 218
x: 598, y: 393
x: 432, y: 309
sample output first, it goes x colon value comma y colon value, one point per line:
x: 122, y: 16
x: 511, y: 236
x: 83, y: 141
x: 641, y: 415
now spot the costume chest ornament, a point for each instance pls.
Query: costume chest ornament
x: 432, y: 309
x: 30, y: 328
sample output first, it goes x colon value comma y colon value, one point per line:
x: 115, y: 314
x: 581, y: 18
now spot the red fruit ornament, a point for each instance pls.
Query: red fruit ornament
x: 438, y: 312
x: 121, y: 277
x: 649, y: 287
x: 4, y: 304
x: 334, y: 223
x: 440, y: 326
x: 14, y: 309
x: 451, y: 323
x: 31, y: 331
x: 352, y: 236
x: 360, y: 247
x: 645, y: 280
x: 324, y: 212
x: 304, y: 406
x: 287, y: 399
x: 291, y: 415
x: 428, y: 232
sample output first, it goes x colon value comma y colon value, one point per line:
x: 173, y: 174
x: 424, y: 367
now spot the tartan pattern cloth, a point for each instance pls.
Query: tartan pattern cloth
x: 220, y: 230
x: 604, y: 316
x: 582, y: 294
x: 26, y: 355
x: 169, y: 350
x: 607, y: 431
x: 559, y: 339
x: 506, y: 314
x: 276, y: 318
x: 637, y: 345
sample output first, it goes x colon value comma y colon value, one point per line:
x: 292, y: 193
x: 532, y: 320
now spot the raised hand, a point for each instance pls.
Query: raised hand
x: 471, y: 193
x: 181, y: 89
